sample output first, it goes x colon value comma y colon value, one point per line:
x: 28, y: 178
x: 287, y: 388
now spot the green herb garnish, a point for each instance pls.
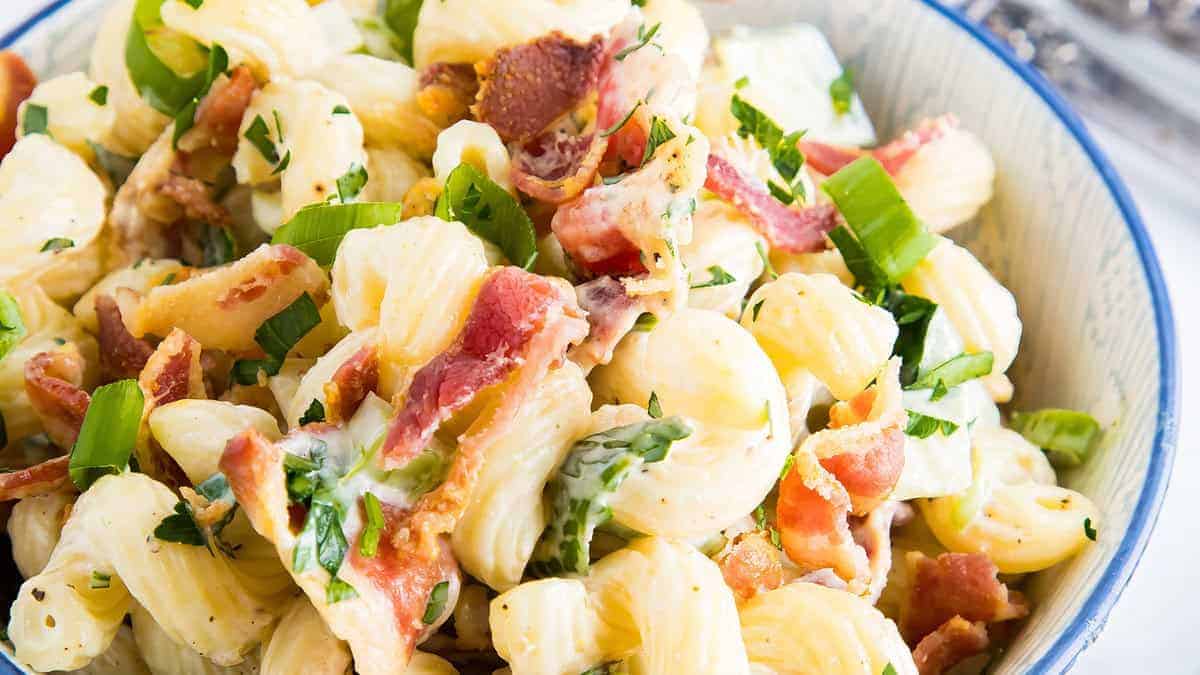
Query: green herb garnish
x: 277, y: 335
x: 108, y: 433
x: 1067, y: 436
x: 490, y: 212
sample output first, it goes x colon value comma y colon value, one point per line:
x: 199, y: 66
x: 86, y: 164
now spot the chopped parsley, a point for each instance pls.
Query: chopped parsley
x: 653, y: 408
x: 99, y: 95
x: 314, y: 413
x: 338, y: 590
x: 36, y: 120
x: 12, y: 326
x: 341, y: 110
x: 924, y: 426
x: 953, y: 372
x: 617, y: 127
x: 644, y: 37
x: 841, y: 92
x: 351, y: 183
x: 741, y: 83
x: 490, y: 212
x: 436, y: 603
x: 719, y: 277
x: 1088, y: 530
x: 100, y: 580
x: 660, y: 133
x: 756, y: 309
x: 783, y: 149
x: 259, y: 135
x: 181, y: 527
x: 57, y: 244
x: 645, y: 322
x: 400, y: 16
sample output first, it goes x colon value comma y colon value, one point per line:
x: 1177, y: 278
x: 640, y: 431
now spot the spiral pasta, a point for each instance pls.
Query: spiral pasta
x: 803, y: 628
x: 164, y: 656
x: 194, y: 431
x: 497, y: 533
x: 815, y: 323
x: 658, y: 604
x: 121, y: 658
x: 61, y: 620
x: 1013, y: 511
x: 302, y: 643
x: 34, y: 528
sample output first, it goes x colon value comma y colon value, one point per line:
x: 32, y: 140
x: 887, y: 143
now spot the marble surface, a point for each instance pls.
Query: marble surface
x: 1150, y: 630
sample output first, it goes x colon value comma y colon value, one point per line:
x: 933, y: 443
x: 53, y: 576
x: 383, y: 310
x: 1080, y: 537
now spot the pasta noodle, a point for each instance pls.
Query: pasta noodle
x: 74, y: 118
x: 723, y: 239
x: 164, y: 656
x: 140, y: 124
x: 34, y: 528
x: 476, y: 144
x: 302, y: 643
x: 948, y: 181
x: 194, y: 432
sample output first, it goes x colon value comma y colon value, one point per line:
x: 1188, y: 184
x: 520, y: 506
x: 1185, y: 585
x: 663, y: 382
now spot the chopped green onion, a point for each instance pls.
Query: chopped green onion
x: 867, y: 275
x: 924, y: 426
x: 1067, y: 436
x: 719, y: 278
x: 99, y: 95
x: 741, y: 83
x: 645, y: 322
x: 887, y: 230
x: 889, y: 669
x: 57, y: 244
x: 644, y: 37
x: 100, y: 580
x: 158, y: 84
x: 841, y: 92
x: 660, y: 133
x: 437, y: 602
x: 368, y: 543
x: 277, y: 335
x: 341, y: 110
x: 259, y: 135
x: 351, y: 183
x: 338, y: 590
x: 490, y: 212
x: 787, y: 466
x: 593, y: 470
x: 108, y: 433
x: 218, y: 63
x: 36, y: 120
x: 195, y: 4
x: 283, y: 164
x: 12, y: 326
x: 181, y: 527
x: 953, y: 372
x: 401, y: 17
x: 653, y: 408
x: 314, y: 413
x: 766, y: 260
x: 756, y: 309
x: 1088, y: 530
x: 168, y: 280
x: 318, y: 230
x: 783, y: 149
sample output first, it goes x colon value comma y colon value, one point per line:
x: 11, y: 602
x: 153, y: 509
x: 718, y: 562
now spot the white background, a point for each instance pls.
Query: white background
x: 1154, y: 626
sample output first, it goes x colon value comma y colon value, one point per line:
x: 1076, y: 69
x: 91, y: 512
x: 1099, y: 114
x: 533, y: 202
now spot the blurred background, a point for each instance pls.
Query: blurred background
x: 1131, y: 68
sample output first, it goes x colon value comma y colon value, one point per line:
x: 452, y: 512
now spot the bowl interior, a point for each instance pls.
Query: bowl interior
x: 1062, y: 234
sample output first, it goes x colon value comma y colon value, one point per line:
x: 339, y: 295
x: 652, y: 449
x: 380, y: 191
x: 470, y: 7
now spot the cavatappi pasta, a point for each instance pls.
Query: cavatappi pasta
x: 536, y: 338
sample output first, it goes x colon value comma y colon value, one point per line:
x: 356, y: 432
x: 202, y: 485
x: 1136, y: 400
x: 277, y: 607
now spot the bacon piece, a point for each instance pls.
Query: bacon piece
x: 172, y: 373
x: 513, y: 309
x: 121, y: 355
x: 38, y: 479
x: 52, y: 383
x: 611, y: 314
x: 750, y: 565
x: 382, y: 623
x: 596, y: 243
x: 196, y: 199
x: 223, y: 307
x: 828, y: 159
x: 811, y: 514
x: 519, y: 326
x: 525, y: 88
x: 447, y: 91
x: 954, y: 584
x: 555, y: 166
x: 219, y: 115
x: 351, y: 383
x: 952, y: 642
x: 16, y: 84
x: 787, y: 229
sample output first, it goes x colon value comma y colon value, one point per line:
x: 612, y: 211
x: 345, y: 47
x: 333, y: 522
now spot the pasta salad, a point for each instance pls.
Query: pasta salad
x: 545, y: 337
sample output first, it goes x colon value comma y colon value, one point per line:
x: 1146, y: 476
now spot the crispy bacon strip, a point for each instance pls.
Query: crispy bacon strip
x: 526, y: 87
x: 952, y: 642
x: 52, y: 383
x: 556, y: 167
x: 812, y: 516
x: 351, y: 383
x: 750, y: 565
x: 172, y: 373
x: 219, y: 115
x: 38, y: 479
x: 447, y: 91
x: 955, y: 584
x: 787, y: 229
x: 383, y: 622
x: 121, y: 355
x: 611, y: 314
x: 16, y: 84
x: 512, y: 311
x: 828, y: 159
x: 196, y: 199
x: 222, y: 308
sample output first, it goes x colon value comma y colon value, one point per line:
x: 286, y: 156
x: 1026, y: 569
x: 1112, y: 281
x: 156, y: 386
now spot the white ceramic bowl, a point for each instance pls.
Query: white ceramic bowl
x: 1062, y: 233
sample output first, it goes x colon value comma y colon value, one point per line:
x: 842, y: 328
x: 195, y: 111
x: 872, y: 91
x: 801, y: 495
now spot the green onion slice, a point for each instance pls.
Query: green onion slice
x: 953, y: 372
x: 490, y: 212
x: 401, y: 17
x: 12, y: 327
x: 1067, y: 436
x: 36, y: 120
x: 149, y: 46
x: 109, y: 431
x: 437, y: 602
x: 277, y: 335
x: 368, y: 543
x: 924, y: 426
x: 887, y: 230
x: 317, y: 230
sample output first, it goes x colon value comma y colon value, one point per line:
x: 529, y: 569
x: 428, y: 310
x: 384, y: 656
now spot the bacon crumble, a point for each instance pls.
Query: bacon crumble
x: 52, y: 383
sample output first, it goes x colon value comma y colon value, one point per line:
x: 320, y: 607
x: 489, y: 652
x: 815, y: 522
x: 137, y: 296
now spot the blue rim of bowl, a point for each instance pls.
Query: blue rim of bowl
x: 1091, y: 616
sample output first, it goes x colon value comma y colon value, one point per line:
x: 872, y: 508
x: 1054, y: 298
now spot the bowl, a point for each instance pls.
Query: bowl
x: 1062, y: 233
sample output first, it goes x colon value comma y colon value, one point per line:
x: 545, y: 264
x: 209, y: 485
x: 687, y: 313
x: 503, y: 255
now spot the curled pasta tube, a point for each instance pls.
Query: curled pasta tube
x: 948, y: 180
x: 807, y: 629
x: 303, y: 643
x: 74, y: 119
x: 165, y: 656
x: 658, y: 603
x: 813, y: 322
x: 1013, y: 512
x: 722, y: 238
x: 474, y: 143
x: 60, y: 621
x: 34, y: 528
x: 706, y: 368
